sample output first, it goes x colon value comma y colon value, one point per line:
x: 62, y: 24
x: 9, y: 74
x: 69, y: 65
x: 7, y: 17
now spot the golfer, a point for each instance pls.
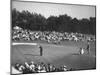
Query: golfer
x: 41, y: 50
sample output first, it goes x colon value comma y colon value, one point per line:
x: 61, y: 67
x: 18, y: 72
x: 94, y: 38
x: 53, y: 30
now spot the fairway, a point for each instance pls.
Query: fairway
x: 55, y: 54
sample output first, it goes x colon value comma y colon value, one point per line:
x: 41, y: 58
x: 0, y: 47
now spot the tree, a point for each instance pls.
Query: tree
x: 14, y: 16
x: 62, y: 23
x: 52, y: 23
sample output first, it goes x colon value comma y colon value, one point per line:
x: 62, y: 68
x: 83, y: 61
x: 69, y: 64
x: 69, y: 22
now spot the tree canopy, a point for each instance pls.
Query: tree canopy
x: 62, y: 23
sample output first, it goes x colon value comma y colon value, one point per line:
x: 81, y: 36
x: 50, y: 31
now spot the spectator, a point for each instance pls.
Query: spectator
x: 39, y: 67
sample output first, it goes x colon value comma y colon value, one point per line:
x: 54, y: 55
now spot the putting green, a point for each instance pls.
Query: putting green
x: 54, y: 54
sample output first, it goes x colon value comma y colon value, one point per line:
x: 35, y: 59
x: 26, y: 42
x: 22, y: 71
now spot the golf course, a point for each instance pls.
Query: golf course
x: 65, y: 53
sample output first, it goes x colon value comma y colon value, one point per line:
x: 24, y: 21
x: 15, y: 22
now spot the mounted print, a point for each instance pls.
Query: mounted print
x: 52, y: 37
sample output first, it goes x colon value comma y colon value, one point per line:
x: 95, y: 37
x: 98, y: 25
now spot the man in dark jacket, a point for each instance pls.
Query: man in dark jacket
x: 41, y: 50
x: 88, y: 48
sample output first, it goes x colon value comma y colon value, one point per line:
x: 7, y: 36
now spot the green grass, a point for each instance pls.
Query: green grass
x: 65, y: 53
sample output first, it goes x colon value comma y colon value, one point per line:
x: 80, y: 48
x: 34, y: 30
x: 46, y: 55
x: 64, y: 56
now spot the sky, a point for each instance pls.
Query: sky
x: 51, y: 9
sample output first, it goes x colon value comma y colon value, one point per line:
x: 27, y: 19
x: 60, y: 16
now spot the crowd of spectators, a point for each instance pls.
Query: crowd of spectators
x: 48, y: 36
x: 39, y: 67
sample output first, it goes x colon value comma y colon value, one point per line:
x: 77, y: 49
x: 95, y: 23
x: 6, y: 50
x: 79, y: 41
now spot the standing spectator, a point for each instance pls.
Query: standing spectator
x: 88, y: 48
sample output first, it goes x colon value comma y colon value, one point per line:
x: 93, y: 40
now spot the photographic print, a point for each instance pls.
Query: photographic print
x: 52, y: 37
